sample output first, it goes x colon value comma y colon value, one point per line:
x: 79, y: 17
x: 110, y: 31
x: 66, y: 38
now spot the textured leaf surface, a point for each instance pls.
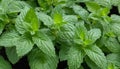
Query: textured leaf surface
x: 93, y: 35
x: 75, y: 58
x: 9, y: 39
x: 39, y: 60
x: 80, y: 11
x: 91, y: 64
x: 27, y: 21
x: 97, y: 56
x: 47, y: 20
x: 113, y: 45
x: 44, y: 43
x: 24, y: 45
x: 114, y: 58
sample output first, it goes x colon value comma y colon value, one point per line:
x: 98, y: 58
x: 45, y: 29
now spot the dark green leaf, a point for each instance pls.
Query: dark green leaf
x: 12, y: 54
x: 4, y: 64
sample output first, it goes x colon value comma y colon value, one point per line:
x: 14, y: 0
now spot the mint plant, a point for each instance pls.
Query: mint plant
x: 83, y: 33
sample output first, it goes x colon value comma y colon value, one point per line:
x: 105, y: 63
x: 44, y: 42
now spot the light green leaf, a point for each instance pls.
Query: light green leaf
x: 115, y: 18
x: 32, y: 19
x: 93, y: 35
x: 81, y: 30
x: 47, y: 20
x: 97, y: 56
x: 44, y: 43
x: 92, y: 6
x: 105, y: 3
x: 80, y: 11
x: 4, y: 64
x: 43, y: 4
x: 22, y: 26
x: 24, y: 45
x: 70, y: 19
x: 114, y: 58
x: 12, y: 55
x: 75, y: 58
x: 16, y: 6
x: 116, y: 28
x: 115, y: 2
x: 9, y: 39
x: 112, y: 66
x: 113, y: 45
x: 91, y: 64
x: 66, y: 32
x: 4, y: 4
x: 27, y: 21
x: 57, y: 15
x: 39, y: 60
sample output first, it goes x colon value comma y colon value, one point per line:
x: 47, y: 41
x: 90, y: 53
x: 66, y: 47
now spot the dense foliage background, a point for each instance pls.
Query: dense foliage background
x: 59, y: 34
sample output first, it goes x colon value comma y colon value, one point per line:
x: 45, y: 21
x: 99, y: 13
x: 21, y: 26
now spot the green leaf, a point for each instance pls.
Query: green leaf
x: 70, y: 19
x: 97, y: 56
x: 115, y: 2
x: 63, y: 53
x: 81, y: 30
x: 80, y: 11
x: 92, y: 6
x: 112, y: 44
x: 22, y: 26
x: 9, y: 38
x: 93, y: 35
x: 75, y: 58
x: 27, y: 21
x: 39, y: 60
x: 24, y: 45
x: 66, y: 33
x: 16, y: 6
x: 43, y: 4
x: 116, y: 28
x: 114, y: 58
x: 1, y: 27
x: 115, y: 18
x: 91, y: 64
x: 12, y: 54
x: 112, y: 66
x: 44, y: 43
x: 4, y: 64
x: 57, y: 15
x: 105, y: 3
x: 32, y: 19
x: 4, y: 4
x: 47, y: 20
